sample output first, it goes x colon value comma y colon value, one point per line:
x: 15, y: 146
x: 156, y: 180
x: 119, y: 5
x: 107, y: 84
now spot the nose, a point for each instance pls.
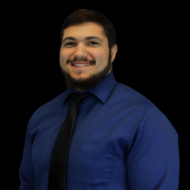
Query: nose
x: 80, y: 53
x: 80, y: 49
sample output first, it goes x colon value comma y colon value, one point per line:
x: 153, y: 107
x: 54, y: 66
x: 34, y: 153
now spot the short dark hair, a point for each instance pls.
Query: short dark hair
x: 85, y: 15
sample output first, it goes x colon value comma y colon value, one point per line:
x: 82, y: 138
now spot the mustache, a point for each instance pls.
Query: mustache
x: 93, y: 62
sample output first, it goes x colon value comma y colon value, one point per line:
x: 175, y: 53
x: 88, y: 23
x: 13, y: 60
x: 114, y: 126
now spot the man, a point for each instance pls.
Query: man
x: 121, y: 140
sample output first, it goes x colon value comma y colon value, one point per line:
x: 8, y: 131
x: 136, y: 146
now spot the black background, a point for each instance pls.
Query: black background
x: 150, y: 59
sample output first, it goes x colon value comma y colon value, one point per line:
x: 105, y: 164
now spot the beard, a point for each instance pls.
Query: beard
x: 83, y: 84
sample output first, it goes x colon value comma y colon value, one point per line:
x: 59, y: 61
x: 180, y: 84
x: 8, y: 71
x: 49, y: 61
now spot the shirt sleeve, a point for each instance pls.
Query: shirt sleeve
x: 26, y: 172
x: 153, y: 155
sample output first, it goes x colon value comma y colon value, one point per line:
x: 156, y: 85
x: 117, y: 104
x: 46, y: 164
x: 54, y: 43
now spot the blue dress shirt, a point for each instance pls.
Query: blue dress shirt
x: 121, y: 141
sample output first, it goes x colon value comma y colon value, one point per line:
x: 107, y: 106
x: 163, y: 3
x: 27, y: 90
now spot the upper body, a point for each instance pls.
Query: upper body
x: 121, y: 140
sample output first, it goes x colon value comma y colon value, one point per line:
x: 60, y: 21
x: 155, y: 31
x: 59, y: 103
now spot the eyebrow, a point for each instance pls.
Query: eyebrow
x: 87, y: 38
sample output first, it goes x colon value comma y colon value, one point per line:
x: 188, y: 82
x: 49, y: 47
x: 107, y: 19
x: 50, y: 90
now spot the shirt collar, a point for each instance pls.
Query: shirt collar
x: 101, y: 90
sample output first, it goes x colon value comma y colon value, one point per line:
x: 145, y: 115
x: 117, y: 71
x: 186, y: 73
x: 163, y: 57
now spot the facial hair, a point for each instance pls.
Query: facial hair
x: 85, y: 83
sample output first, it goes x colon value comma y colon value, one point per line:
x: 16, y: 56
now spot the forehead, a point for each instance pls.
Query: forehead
x: 80, y: 31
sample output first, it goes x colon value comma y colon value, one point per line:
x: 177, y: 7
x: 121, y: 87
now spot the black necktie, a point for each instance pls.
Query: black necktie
x: 58, y: 164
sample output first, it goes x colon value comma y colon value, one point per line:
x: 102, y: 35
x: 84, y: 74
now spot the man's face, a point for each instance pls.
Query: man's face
x: 93, y: 51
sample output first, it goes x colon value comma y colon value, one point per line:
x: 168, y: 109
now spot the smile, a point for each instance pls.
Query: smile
x: 81, y: 66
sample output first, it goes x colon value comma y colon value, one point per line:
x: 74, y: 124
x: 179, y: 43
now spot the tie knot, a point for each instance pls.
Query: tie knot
x: 77, y: 98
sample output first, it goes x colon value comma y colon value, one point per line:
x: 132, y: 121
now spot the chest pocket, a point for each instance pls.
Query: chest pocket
x: 93, y: 163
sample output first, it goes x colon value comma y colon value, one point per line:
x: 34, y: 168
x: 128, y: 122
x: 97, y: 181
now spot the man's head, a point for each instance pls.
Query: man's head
x: 100, y: 52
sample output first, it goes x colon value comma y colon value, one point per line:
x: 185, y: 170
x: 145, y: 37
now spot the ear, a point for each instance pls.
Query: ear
x: 114, y: 50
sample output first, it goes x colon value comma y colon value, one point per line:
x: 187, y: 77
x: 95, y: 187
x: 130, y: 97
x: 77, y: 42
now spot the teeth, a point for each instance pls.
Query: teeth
x: 81, y: 65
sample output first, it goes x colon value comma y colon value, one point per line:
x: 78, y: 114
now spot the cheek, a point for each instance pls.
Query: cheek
x: 63, y: 57
x: 102, y: 58
x: 99, y: 56
x: 62, y: 54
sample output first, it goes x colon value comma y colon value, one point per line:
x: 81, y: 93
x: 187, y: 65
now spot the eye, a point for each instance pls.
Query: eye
x: 94, y: 42
x: 69, y: 43
x: 72, y: 43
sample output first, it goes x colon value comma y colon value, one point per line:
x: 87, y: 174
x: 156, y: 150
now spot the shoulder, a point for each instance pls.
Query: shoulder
x: 48, y: 109
x: 148, y: 117
x: 130, y: 96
